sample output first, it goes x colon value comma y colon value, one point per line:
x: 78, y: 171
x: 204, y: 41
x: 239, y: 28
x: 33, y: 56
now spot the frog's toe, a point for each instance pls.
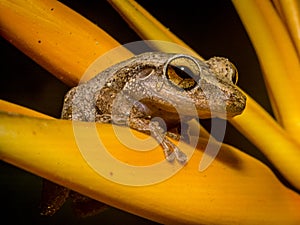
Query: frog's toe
x: 172, y: 152
x: 180, y: 156
x: 170, y: 157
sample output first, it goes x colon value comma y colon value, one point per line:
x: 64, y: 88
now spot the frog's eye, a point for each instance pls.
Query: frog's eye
x: 183, y: 72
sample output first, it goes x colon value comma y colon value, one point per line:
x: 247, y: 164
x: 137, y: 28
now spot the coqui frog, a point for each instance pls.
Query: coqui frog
x: 153, y: 85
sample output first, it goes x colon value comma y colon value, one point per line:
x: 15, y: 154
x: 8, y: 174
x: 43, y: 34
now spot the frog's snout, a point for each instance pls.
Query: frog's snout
x: 236, y: 105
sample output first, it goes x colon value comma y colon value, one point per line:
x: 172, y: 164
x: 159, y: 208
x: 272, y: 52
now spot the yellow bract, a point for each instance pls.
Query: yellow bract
x: 278, y: 59
x: 56, y: 37
x: 48, y: 148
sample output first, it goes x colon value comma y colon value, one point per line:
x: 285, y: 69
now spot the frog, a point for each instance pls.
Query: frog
x: 151, y: 85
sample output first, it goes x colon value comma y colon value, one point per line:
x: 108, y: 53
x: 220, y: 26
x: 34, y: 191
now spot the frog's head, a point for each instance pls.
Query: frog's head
x: 208, y: 86
x: 190, y: 86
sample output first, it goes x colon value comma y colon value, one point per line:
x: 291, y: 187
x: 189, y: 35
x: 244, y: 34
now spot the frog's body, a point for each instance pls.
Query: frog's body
x: 145, y: 75
x: 155, y: 84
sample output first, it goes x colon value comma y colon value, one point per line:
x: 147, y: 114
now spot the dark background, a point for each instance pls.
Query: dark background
x: 212, y: 28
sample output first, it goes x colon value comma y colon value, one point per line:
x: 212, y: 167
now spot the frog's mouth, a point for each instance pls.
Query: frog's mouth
x: 231, y: 109
x: 202, y: 108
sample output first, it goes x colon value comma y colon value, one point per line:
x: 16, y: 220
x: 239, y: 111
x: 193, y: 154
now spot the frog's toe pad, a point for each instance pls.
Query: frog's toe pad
x: 180, y: 156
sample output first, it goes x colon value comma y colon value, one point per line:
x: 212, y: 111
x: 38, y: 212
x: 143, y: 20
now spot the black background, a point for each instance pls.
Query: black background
x: 211, y: 28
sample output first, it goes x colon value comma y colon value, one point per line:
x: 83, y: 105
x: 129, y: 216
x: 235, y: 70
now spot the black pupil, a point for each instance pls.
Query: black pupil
x: 183, y: 72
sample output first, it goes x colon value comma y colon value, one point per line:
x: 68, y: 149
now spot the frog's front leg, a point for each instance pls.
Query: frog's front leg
x: 171, y: 151
x: 120, y: 109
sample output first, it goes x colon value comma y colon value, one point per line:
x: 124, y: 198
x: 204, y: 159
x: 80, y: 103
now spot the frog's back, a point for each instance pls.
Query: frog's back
x: 79, y: 102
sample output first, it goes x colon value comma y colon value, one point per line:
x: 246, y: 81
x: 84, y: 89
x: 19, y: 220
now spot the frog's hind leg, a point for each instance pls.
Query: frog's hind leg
x: 84, y: 206
x: 103, y: 104
x: 53, y: 197
x: 103, y: 118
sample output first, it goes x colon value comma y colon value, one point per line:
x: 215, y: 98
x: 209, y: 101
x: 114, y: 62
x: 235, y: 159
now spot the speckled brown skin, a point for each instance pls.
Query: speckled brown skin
x: 173, y: 87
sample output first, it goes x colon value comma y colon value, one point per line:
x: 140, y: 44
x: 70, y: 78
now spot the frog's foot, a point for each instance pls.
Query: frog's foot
x: 171, y: 151
x: 84, y: 206
x: 53, y: 197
